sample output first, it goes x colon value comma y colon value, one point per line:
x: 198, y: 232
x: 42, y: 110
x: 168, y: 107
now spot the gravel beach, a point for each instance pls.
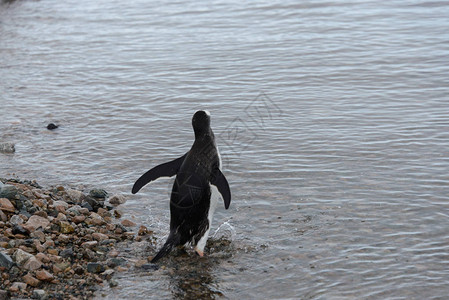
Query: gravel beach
x: 59, y: 243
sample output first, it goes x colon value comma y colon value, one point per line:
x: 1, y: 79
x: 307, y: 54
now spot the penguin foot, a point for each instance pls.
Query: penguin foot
x: 200, y: 253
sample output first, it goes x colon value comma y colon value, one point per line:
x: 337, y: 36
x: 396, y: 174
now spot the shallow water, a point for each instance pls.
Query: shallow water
x: 332, y: 118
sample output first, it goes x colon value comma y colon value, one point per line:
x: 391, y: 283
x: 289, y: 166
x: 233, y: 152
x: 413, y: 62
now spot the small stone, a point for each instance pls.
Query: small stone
x: 52, y: 251
x: 60, y: 205
x: 98, y: 193
x: 66, y: 227
x: 9, y: 191
x: 63, y: 238
x: 99, y: 236
x: 74, y: 210
x: 44, y: 275
x: 61, y: 217
x: 128, y: 223
x: 103, y: 212
x: 108, y: 273
x: 7, y: 147
x: 142, y: 230
x: 5, y: 261
x: 89, y: 244
x: 35, y: 222
x: 30, y: 280
x: 113, y: 283
x: 117, y: 200
x: 43, y: 258
x: 117, y: 214
x: 87, y: 205
x: 114, y: 262
x: 18, y: 286
x: 52, y: 126
x: 41, y: 213
x: 3, y: 217
x: 6, y: 205
x: 94, y: 267
x: 66, y: 253
x: 150, y: 267
x: 78, y: 219
x: 16, y: 220
x: 32, y: 264
x: 18, y: 229
x: 22, y: 257
x: 74, y: 195
x: 40, y: 294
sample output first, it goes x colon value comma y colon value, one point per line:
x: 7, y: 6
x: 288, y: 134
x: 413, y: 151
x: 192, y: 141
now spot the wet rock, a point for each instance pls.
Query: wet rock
x: 128, y: 223
x: 52, y: 126
x: 32, y: 264
x: 74, y: 210
x: 44, y: 275
x: 142, y: 230
x: 5, y: 261
x: 40, y: 294
x: 22, y: 257
x: 117, y: 214
x: 95, y: 267
x: 87, y: 205
x: 108, y: 273
x: 94, y: 203
x: 98, y: 193
x: 7, y: 147
x: 6, y: 205
x: 114, y: 262
x: 117, y: 199
x: 30, y: 280
x: 35, y: 222
x: 150, y: 267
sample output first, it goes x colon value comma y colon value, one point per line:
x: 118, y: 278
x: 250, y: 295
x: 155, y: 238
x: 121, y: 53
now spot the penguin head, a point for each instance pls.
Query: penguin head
x: 201, y: 122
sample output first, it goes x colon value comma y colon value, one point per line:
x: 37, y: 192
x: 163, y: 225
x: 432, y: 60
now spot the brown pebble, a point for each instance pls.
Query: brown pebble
x: 99, y: 236
x: 78, y: 219
x: 143, y: 230
x: 44, y: 275
x: 41, y: 213
x: 53, y: 251
x: 128, y: 223
x: 32, y: 264
x: 6, y: 205
x: 30, y: 280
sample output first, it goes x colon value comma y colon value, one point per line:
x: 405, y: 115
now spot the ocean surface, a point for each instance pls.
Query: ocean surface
x: 332, y: 118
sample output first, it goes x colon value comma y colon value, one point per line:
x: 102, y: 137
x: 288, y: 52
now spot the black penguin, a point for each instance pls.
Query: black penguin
x: 196, y: 189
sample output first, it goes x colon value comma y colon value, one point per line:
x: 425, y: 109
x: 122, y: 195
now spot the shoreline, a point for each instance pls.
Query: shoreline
x: 57, y: 242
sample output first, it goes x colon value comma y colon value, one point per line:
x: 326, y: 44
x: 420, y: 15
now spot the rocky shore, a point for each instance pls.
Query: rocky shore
x: 59, y: 243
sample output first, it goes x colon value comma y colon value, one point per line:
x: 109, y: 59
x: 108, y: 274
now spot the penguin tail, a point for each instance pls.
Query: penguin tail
x: 173, y: 240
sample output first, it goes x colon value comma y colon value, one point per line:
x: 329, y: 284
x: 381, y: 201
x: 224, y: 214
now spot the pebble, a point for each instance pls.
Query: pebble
x: 98, y: 193
x: 18, y: 286
x: 99, y: 236
x: 5, y: 261
x: 128, y: 223
x: 117, y: 199
x: 95, y: 267
x: 5, y: 204
x: 36, y: 222
x: 39, y: 294
x: 44, y: 275
x: 9, y: 191
x: 32, y: 264
x: 21, y: 257
x: 30, y: 280
x: 143, y: 230
x: 66, y: 227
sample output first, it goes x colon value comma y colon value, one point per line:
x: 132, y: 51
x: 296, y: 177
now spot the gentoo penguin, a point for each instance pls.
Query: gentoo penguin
x: 196, y: 190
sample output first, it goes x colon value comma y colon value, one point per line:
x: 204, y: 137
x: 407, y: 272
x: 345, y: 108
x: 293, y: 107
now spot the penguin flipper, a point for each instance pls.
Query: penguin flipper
x: 167, y: 169
x: 223, y: 187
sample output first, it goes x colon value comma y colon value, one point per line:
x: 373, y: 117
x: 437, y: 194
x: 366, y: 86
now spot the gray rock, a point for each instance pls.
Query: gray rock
x: 75, y: 210
x: 8, y: 191
x: 150, y: 267
x: 5, y: 261
x: 22, y: 257
x: 98, y: 193
x: 18, y: 229
x: 114, y: 262
x: 94, y: 267
x: 3, y: 295
x: 7, y: 147
x: 16, y: 220
x: 40, y: 294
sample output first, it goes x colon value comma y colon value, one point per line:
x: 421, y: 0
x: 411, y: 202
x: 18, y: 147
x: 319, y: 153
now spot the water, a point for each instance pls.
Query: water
x: 332, y: 118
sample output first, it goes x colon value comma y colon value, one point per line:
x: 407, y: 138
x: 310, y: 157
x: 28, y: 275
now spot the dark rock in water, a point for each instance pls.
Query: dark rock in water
x: 8, y: 191
x: 6, y: 261
x: 98, y: 193
x: 52, y: 126
x: 150, y: 267
x: 114, y: 262
x: 94, y: 267
x: 94, y: 203
x: 87, y: 205
x: 7, y: 148
x: 18, y: 229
